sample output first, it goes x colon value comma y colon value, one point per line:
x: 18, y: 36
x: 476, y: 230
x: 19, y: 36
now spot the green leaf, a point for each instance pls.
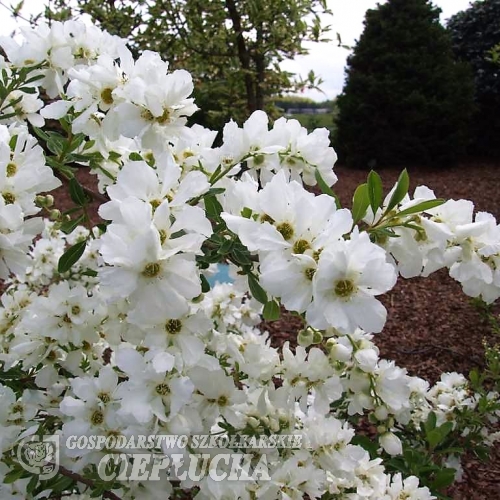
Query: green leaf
x: 40, y: 133
x: 375, y: 190
x: 241, y: 256
x: 33, y: 482
x: 360, y: 202
x: 430, y: 423
x: 62, y: 484
x: 400, y: 191
x: 13, y: 476
x: 71, y: 256
x: 421, y: 207
x: 443, y: 479
x: 205, y: 285
x: 271, y: 311
x: 325, y: 188
x: 69, y: 226
x: 212, y: 207
x: 135, y: 157
x: 246, y: 212
x: 226, y: 247
x: 482, y: 452
x: 257, y: 292
x: 214, y: 191
x: 77, y: 193
x: 90, y: 272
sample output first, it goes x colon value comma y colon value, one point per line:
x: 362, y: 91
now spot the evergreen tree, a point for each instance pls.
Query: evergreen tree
x: 475, y: 32
x: 405, y: 100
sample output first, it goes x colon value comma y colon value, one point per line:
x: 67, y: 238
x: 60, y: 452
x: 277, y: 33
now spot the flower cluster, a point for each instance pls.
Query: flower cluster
x: 113, y: 330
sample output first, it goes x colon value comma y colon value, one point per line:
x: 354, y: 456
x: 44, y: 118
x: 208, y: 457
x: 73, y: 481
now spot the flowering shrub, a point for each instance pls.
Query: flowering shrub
x: 113, y: 330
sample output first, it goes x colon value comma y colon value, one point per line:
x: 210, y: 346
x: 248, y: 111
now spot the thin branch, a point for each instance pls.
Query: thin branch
x: 15, y: 14
x: 88, y: 482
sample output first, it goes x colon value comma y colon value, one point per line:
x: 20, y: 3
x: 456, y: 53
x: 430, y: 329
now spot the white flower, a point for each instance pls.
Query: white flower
x: 348, y: 277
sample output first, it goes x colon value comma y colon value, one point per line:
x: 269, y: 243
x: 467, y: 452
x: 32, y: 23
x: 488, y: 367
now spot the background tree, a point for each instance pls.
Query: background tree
x: 405, y: 99
x: 231, y: 47
x: 475, y: 32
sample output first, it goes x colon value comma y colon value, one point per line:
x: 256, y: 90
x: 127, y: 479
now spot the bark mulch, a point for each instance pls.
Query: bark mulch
x: 432, y: 326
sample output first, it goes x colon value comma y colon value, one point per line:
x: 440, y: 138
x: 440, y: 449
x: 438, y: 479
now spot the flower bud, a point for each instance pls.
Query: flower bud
x: 55, y: 214
x: 391, y: 443
x: 253, y: 422
x: 305, y: 337
x: 317, y: 337
x: 49, y: 200
x: 339, y: 352
x: 381, y: 413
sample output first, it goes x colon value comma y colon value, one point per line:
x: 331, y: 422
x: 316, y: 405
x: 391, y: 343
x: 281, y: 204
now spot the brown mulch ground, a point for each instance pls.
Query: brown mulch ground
x: 432, y: 326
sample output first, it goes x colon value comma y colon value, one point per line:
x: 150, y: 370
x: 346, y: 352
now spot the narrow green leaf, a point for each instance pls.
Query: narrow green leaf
x: 90, y: 272
x: 77, y: 193
x: 360, y: 202
x: 226, y: 247
x: 271, y: 311
x: 13, y: 476
x: 375, y: 190
x: 258, y: 293
x: 401, y: 190
x: 71, y: 256
x: 69, y: 226
x: 214, y: 191
x: 421, y: 207
x: 33, y: 482
x: 241, y: 256
x: 325, y: 188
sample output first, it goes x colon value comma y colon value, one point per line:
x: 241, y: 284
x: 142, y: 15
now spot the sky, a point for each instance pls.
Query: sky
x: 327, y: 60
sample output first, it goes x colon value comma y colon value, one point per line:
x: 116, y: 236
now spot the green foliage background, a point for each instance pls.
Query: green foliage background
x: 231, y: 47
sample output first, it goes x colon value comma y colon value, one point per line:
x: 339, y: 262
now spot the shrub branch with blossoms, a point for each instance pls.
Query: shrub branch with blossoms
x: 114, y: 330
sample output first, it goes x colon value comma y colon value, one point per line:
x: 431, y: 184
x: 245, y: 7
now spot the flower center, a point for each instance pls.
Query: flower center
x: 162, y: 389
x: 9, y: 198
x: 165, y: 117
x: 11, y: 169
x: 301, y: 246
x: 107, y: 96
x: 344, y: 288
x: 173, y: 326
x: 222, y: 401
x: 97, y: 418
x: 163, y: 236
x: 151, y: 270
x: 286, y: 230
x: 310, y: 272
x: 104, y: 397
